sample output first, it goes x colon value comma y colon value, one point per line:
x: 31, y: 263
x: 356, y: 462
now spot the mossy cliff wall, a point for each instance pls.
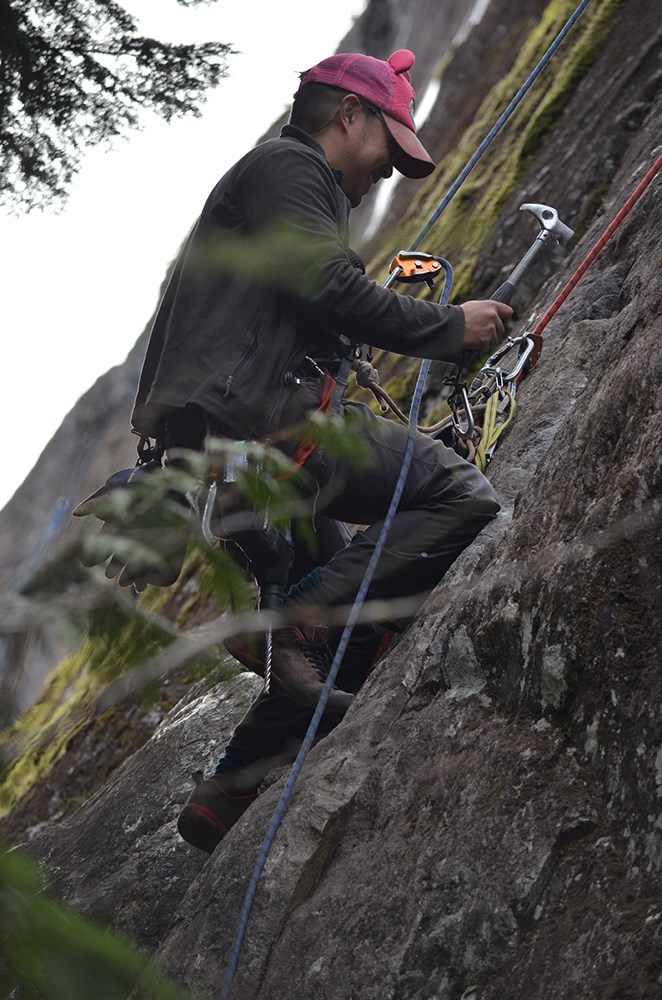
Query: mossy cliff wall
x: 485, y: 823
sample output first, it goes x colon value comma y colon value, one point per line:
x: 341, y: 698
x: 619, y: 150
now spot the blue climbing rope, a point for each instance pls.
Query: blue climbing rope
x: 309, y: 738
x: 337, y: 660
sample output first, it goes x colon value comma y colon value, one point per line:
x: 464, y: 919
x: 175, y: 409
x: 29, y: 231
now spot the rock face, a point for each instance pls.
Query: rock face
x: 486, y: 821
x: 125, y: 861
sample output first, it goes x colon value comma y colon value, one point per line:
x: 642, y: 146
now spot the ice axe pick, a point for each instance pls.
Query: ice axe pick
x: 552, y: 230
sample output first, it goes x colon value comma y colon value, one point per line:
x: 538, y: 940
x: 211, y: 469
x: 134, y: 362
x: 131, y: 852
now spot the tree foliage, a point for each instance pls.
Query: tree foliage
x: 76, y: 72
x: 48, y: 951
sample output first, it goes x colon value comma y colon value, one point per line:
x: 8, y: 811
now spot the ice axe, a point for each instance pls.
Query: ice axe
x: 552, y: 230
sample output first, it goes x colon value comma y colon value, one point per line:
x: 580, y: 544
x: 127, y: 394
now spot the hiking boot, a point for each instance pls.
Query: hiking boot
x: 367, y: 644
x: 211, y: 809
x: 299, y: 665
x: 249, y: 650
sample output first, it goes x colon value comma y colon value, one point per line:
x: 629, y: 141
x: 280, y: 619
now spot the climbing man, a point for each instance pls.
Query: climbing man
x: 246, y: 355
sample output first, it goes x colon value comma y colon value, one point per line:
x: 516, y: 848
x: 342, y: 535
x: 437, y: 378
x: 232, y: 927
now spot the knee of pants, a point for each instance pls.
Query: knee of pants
x: 486, y: 499
x: 469, y: 489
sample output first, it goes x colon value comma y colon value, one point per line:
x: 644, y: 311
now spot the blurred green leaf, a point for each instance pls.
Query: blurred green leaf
x: 49, y: 952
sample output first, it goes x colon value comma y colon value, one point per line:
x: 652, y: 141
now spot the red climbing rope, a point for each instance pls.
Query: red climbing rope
x: 608, y: 233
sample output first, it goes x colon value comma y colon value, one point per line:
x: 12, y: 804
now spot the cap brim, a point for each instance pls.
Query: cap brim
x: 411, y: 159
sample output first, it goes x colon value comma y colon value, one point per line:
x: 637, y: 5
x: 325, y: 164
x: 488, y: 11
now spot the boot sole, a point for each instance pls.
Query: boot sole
x: 200, y: 827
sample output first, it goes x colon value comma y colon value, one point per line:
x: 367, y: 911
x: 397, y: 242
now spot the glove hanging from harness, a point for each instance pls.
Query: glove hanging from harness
x: 147, y: 523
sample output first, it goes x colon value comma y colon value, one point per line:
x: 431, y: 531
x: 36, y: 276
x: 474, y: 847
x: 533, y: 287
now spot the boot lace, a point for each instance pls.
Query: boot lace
x: 319, y: 656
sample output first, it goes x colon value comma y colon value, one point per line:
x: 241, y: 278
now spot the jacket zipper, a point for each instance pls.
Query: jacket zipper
x: 252, y: 349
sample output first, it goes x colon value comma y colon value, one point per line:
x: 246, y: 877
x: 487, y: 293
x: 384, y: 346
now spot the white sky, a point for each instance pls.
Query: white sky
x: 79, y: 282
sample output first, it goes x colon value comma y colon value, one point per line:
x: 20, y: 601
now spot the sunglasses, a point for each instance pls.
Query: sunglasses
x: 378, y: 114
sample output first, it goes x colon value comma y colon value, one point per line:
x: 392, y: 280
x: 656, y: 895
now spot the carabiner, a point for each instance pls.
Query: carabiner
x: 205, y: 520
x: 462, y: 432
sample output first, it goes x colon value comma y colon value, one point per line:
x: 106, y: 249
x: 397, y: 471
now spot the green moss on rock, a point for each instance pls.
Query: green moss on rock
x: 468, y: 223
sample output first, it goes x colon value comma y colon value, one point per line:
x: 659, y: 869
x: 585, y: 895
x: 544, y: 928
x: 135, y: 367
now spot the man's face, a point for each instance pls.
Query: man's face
x: 369, y: 156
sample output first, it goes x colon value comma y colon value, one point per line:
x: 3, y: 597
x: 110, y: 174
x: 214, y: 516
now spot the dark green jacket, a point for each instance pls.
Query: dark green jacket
x: 263, y: 280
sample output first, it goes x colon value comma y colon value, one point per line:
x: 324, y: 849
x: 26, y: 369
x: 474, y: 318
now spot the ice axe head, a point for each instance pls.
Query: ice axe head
x: 549, y: 221
x: 551, y: 228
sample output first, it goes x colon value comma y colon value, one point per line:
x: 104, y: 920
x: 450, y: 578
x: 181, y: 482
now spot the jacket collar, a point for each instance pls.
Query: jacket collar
x: 293, y: 132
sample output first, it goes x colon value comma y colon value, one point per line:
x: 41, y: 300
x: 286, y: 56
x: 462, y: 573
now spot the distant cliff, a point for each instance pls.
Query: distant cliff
x: 485, y: 823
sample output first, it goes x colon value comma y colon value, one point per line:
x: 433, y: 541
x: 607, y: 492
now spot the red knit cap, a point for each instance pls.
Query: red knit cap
x: 387, y: 85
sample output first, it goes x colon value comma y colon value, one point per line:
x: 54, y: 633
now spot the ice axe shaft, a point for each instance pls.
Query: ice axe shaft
x: 552, y: 230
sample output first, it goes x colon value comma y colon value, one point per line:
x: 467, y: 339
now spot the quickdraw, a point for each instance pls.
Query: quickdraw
x: 481, y: 414
x: 478, y: 416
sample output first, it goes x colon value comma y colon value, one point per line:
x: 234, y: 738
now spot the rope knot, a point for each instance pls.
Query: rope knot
x: 366, y: 375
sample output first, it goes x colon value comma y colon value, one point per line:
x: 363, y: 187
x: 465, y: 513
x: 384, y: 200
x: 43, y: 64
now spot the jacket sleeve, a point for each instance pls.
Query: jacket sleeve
x: 296, y: 189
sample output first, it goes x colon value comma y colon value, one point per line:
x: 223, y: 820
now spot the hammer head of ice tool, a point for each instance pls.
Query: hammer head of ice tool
x: 549, y: 221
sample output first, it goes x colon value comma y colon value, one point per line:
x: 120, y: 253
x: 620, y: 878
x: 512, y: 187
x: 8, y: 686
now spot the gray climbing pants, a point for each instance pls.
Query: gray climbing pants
x: 445, y: 503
